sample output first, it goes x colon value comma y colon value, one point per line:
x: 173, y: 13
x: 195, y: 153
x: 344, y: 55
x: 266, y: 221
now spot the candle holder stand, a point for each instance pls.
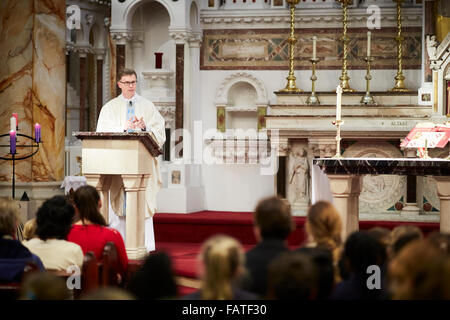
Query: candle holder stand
x: 338, y: 124
x: 368, y: 98
x: 313, y: 99
x: 14, y: 158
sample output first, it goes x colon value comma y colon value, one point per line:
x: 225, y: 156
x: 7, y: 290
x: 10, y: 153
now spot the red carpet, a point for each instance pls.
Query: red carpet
x: 181, y: 235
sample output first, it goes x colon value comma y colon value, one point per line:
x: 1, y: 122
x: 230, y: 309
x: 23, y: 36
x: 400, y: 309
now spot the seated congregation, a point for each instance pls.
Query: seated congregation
x: 378, y: 264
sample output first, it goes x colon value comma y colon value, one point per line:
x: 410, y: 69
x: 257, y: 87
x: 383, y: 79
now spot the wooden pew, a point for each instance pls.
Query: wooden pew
x: 110, y: 268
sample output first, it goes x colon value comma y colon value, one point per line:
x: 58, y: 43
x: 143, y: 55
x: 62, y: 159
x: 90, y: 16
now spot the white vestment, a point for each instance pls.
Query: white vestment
x: 112, y: 118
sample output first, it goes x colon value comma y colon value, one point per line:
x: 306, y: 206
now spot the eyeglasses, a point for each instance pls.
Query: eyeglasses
x: 132, y: 83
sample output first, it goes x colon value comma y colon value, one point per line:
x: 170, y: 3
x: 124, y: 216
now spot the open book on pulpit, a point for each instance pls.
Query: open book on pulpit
x: 427, y: 135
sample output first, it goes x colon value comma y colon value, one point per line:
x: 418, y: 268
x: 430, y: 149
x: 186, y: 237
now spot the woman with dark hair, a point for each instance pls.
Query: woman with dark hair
x: 53, y: 223
x: 91, y: 231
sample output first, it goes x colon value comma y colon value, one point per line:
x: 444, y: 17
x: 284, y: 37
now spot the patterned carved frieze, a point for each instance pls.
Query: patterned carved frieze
x: 268, y: 49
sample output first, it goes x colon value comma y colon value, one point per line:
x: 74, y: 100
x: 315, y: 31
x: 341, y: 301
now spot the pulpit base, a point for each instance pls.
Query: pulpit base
x: 139, y: 253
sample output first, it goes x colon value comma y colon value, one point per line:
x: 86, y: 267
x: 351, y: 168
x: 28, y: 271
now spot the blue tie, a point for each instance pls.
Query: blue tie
x: 130, y: 113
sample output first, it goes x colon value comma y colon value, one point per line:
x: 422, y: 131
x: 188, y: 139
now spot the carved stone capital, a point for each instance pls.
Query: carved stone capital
x: 322, y: 147
x: 180, y: 36
x: 122, y: 37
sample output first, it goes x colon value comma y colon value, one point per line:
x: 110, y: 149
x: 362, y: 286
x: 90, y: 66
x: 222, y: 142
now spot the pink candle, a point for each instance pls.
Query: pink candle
x: 37, y: 132
x: 12, y: 142
x: 17, y: 120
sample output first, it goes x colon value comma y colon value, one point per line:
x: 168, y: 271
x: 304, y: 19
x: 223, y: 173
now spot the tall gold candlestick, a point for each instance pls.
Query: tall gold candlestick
x: 345, y: 40
x: 368, y: 98
x: 399, y: 84
x: 313, y: 99
x: 291, y: 86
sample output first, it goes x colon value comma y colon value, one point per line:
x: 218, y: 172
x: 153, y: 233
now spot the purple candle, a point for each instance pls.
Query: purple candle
x: 12, y: 142
x: 37, y: 132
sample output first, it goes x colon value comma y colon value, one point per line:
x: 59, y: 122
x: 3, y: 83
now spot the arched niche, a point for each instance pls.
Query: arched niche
x: 241, y: 102
x: 194, y: 19
x: 241, y: 106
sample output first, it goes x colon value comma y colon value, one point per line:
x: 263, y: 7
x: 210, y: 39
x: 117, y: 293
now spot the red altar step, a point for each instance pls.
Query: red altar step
x: 181, y: 235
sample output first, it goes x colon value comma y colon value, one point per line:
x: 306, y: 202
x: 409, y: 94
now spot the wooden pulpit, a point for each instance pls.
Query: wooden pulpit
x: 128, y: 155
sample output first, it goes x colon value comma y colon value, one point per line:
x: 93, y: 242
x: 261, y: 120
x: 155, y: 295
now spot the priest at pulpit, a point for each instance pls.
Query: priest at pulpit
x: 130, y: 112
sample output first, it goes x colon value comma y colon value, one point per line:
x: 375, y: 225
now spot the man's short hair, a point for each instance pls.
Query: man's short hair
x: 273, y: 217
x: 126, y: 72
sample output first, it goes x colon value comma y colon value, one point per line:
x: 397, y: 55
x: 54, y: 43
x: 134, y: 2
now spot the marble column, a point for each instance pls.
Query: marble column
x: 83, y: 80
x: 120, y: 62
x: 428, y: 18
x: 32, y: 84
x: 99, y: 82
x: 118, y: 52
x: 443, y: 191
x: 179, y: 86
x: 346, y: 190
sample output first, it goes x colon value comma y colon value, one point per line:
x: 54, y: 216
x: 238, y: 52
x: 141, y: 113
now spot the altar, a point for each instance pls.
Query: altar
x: 345, y: 176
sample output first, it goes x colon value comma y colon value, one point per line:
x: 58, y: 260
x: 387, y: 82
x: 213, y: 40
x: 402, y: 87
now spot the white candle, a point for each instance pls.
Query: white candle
x: 338, y: 102
x: 314, y: 47
x: 368, y: 43
x: 12, y: 121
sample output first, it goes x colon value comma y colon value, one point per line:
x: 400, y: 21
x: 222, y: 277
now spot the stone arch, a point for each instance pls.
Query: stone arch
x: 130, y: 11
x: 221, y: 97
x: 99, y: 36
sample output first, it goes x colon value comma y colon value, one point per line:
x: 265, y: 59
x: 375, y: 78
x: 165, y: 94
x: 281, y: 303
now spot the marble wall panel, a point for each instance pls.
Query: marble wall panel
x: 32, y: 74
x: 16, y: 21
x: 235, y: 49
x: 49, y: 87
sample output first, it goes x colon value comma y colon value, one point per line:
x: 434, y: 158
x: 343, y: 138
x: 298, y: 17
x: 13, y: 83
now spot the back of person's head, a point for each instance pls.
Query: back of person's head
x: 29, y: 229
x: 361, y: 251
x: 440, y: 240
x: 323, y: 264
x: 54, y: 218
x: 9, y: 217
x: 402, y: 241
x: 86, y: 200
x: 292, y: 276
x: 400, y: 231
x: 324, y: 226
x: 155, y: 279
x: 420, y: 271
x: 381, y: 234
x: 44, y: 286
x: 108, y: 293
x: 223, y: 261
x: 273, y: 218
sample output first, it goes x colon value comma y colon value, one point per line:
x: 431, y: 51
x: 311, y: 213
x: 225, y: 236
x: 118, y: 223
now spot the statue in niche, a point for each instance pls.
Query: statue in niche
x: 300, y: 175
x: 432, y: 45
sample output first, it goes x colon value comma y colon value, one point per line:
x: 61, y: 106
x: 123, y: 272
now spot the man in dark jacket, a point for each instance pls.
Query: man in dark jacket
x: 273, y: 224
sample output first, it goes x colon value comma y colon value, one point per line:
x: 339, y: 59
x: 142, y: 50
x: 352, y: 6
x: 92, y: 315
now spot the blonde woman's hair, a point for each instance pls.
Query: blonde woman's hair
x: 324, y: 225
x: 222, y: 257
x: 29, y: 229
x: 9, y: 217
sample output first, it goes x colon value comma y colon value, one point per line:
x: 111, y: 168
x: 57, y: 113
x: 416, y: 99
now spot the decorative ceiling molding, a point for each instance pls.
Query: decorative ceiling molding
x: 306, y: 18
